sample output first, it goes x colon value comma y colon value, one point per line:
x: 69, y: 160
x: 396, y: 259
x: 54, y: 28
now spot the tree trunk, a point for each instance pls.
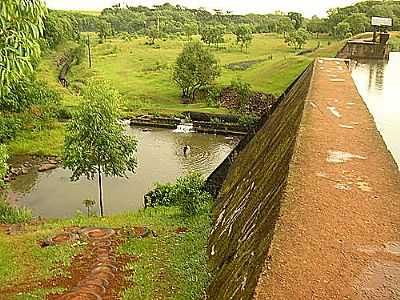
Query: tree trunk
x: 101, y: 193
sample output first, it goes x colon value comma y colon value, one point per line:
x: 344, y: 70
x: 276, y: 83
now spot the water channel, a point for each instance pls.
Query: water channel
x: 378, y: 83
x: 160, y: 159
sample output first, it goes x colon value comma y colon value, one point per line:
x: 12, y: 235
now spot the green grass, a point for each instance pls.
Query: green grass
x: 45, y: 142
x: 142, y: 73
x: 170, y: 266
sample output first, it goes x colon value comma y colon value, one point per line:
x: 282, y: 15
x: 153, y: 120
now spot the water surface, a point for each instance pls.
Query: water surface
x: 378, y: 82
x: 160, y: 159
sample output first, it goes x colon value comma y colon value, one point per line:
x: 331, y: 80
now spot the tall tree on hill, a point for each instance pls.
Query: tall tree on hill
x: 195, y: 67
x: 21, y: 26
x: 190, y: 28
x: 285, y: 25
x: 95, y: 143
x: 297, y: 19
x: 297, y: 38
x: 104, y: 30
x: 244, y: 35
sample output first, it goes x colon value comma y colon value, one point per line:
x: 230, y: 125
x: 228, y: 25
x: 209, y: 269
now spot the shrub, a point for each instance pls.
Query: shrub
x: 3, y: 164
x: 187, y: 193
x: 248, y: 120
x: 162, y: 195
x: 13, y: 215
x: 244, y: 91
x: 27, y: 93
x: 213, y: 95
x: 9, y: 125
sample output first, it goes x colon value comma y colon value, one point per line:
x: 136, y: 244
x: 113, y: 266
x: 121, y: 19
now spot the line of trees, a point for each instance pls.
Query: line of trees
x: 170, y: 19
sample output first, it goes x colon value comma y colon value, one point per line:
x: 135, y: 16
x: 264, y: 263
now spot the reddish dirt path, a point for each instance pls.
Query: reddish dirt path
x: 338, y: 236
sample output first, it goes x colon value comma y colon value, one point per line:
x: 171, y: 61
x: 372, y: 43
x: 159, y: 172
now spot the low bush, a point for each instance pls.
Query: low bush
x: 187, y: 193
x: 244, y: 91
x: 9, y: 125
x: 13, y: 215
x: 27, y: 93
x: 248, y: 120
x: 3, y: 164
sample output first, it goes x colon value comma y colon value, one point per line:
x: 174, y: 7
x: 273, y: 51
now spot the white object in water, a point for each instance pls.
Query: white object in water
x: 184, y: 128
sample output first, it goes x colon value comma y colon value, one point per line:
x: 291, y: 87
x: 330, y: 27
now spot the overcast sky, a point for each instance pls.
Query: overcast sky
x: 308, y: 7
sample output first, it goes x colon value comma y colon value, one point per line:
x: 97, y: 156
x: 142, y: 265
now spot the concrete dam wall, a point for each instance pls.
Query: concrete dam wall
x: 250, y: 185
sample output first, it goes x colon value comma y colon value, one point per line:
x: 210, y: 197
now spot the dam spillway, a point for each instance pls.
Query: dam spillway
x: 335, y: 201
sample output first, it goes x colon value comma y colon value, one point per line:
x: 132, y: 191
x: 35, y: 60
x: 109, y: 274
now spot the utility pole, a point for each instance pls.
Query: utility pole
x: 89, y: 51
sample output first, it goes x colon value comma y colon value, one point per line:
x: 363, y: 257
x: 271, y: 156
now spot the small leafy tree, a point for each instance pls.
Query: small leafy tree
x: 153, y: 34
x: 297, y: 19
x: 342, y: 30
x: 297, y: 38
x: 195, y: 67
x: 189, y: 194
x: 103, y: 30
x: 21, y: 26
x: 95, y: 142
x: 89, y: 203
x: 285, y: 25
x: 244, y: 35
x: 190, y: 29
x: 244, y: 91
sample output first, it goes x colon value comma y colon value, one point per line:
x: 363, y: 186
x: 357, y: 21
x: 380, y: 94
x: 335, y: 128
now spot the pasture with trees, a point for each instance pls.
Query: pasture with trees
x: 59, y: 109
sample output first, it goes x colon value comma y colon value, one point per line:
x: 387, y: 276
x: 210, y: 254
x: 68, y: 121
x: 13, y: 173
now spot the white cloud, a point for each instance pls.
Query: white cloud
x: 307, y: 7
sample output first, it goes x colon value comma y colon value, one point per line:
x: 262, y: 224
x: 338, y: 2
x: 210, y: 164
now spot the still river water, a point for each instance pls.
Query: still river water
x: 160, y: 159
x: 378, y: 82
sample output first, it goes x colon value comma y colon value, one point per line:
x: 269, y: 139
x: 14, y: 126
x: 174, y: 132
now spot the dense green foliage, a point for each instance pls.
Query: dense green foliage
x: 195, y: 67
x: 187, y: 193
x: 297, y: 38
x: 3, y: 163
x: 244, y: 91
x: 244, y: 35
x: 13, y: 215
x: 21, y: 25
x: 59, y: 27
x: 95, y: 142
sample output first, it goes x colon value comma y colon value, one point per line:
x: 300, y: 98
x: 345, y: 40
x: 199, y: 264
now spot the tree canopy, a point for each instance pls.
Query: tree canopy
x: 195, y: 67
x: 21, y: 26
x: 95, y: 142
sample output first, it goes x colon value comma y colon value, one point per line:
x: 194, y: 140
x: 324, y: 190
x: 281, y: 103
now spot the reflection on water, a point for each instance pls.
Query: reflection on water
x: 160, y: 159
x: 378, y: 84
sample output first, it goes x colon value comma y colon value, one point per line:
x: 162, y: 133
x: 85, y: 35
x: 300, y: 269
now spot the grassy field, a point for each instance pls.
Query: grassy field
x: 142, y: 73
x: 180, y: 258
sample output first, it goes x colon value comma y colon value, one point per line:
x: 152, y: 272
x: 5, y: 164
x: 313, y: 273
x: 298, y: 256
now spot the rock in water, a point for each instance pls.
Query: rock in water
x: 47, y: 167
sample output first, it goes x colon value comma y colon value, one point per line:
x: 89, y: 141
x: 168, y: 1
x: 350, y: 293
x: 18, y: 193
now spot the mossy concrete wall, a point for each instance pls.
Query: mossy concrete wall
x: 249, y: 198
x: 364, y: 50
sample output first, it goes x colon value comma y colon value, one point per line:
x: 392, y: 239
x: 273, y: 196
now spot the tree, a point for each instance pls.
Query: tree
x: 297, y: 38
x: 95, y: 143
x: 195, y: 68
x: 190, y: 29
x: 358, y: 22
x: 21, y: 25
x: 285, y: 25
x: 213, y: 34
x: 153, y: 34
x: 342, y: 30
x: 317, y: 26
x: 103, y: 30
x: 297, y: 19
x: 244, y: 35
